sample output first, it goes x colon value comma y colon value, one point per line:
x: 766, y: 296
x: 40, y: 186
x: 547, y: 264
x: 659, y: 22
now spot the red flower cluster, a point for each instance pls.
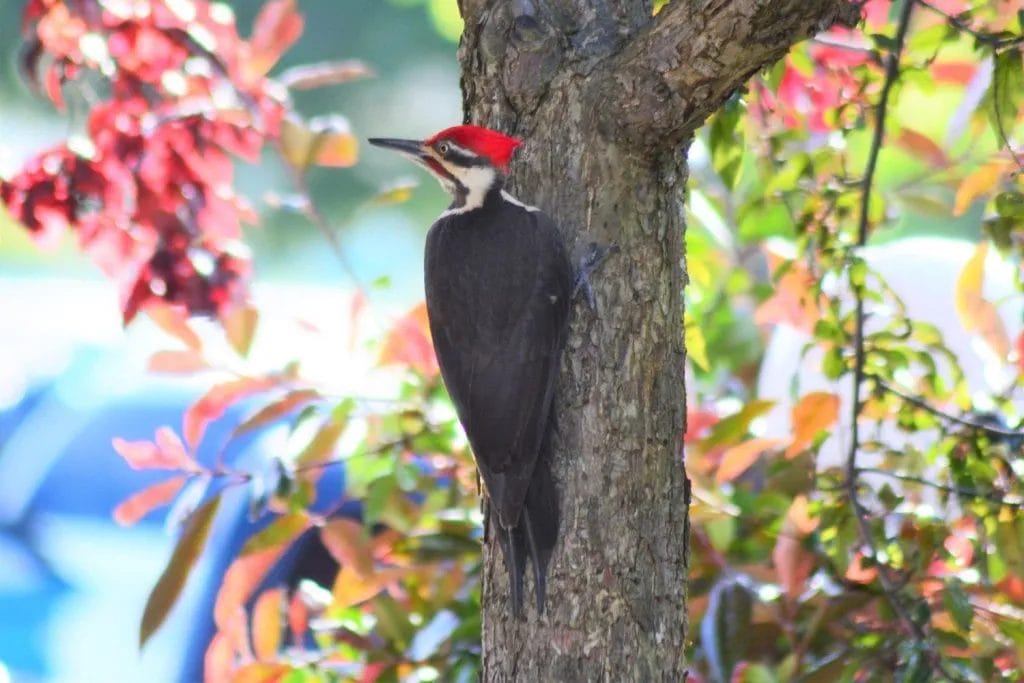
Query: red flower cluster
x: 149, y: 191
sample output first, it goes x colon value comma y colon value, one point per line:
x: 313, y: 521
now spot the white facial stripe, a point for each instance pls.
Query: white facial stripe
x: 459, y: 149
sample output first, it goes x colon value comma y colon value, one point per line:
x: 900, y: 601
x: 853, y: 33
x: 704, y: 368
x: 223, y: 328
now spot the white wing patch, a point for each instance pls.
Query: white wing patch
x: 512, y: 200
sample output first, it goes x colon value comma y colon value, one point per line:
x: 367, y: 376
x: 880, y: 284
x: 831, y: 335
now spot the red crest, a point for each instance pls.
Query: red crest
x: 481, y: 141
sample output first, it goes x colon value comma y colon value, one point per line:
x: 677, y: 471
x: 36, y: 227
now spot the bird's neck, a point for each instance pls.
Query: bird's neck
x: 474, y: 188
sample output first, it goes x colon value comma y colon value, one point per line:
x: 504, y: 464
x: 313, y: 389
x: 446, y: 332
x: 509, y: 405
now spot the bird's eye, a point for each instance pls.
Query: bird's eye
x: 443, y: 148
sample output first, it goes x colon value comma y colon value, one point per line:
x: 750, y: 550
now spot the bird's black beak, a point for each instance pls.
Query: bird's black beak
x: 412, y: 148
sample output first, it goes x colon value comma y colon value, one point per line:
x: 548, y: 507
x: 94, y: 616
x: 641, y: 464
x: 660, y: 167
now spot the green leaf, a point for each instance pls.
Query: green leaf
x: 733, y: 428
x: 956, y: 602
x: 279, y: 532
x: 1005, y: 93
x: 1010, y: 205
x: 696, y: 349
x: 321, y: 448
x: 725, y: 141
x: 168, y: 587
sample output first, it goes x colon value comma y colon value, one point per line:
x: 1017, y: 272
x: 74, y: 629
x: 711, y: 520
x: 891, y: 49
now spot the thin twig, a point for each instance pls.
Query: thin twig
x: 991, y: 497
x: 955, y: 419
x: 311, y: 210
x: 995, y: 42
x: 892, y: 73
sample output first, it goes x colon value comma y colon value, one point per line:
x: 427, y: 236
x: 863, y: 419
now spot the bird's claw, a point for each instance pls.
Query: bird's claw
x: 588, y: 263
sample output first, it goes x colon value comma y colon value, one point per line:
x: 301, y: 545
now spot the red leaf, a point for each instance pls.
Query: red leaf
x: 172, y: 448
x: 177, y: 362
x: 298, y: 617
x: 355, y: 314
x: 277, y: 27
x: 372, y: 672
x: 409, y: 343
x: 219, y: 660
x: 922, y: 147
x: 140, y: 504
x: 218, y: 399
x: 168, y: 587
x: 166, y: 453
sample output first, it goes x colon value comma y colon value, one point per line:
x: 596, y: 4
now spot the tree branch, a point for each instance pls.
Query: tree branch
x: 671, y: 76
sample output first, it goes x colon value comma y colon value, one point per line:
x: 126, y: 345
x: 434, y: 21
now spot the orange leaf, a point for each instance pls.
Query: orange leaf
x: 140, y: 504
x: 409, y: 343
x: 240, y: 328
x: 267, y: 624
x: 310, y: 76
x: 278, y: 409
x: 277, y: 27
x: 218, y: 399
x: 793, y: 562
x: 792, y: 303
x: 352, y: 589
x: 323, y: 141
x: 815, y: 412
x: 978, y: 183
x: 347, y: 543
x: 975, y: 312
x: 858, y: 573
x: 736, y: 460
x: 174, y: 322
x: 184, y: 362
x: 261, y: 672
x: 240, y: 580
x: 923, y: 147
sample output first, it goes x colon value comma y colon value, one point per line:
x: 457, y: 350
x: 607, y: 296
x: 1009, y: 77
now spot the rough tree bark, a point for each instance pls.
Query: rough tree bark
x: 608, y: 97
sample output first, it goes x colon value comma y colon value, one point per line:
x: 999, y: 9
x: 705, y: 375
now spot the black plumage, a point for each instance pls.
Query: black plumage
x: 498, y: 289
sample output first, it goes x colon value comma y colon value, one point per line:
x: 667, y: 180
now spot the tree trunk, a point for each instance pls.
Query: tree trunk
x: 607, y: 98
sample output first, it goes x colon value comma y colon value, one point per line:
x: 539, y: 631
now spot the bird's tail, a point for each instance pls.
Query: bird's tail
x: 533, y: 537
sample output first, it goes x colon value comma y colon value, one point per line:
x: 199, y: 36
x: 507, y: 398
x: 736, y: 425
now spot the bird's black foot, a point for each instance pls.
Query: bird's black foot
x: 590, y: 262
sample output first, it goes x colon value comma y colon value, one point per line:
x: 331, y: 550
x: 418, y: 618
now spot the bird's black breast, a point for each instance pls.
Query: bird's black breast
x: 498, y: 286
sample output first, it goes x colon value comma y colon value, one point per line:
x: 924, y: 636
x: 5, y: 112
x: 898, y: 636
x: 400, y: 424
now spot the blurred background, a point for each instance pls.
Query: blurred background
x: 72, y: 583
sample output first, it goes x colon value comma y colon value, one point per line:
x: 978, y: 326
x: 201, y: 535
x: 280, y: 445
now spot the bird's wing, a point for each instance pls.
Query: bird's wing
x: 500, y: 362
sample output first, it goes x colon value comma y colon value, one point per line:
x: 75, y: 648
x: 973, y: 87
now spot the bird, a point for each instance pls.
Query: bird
x: 499, y: 286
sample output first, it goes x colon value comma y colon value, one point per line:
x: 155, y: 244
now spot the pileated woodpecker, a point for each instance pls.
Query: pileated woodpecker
x: 499, y: 285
